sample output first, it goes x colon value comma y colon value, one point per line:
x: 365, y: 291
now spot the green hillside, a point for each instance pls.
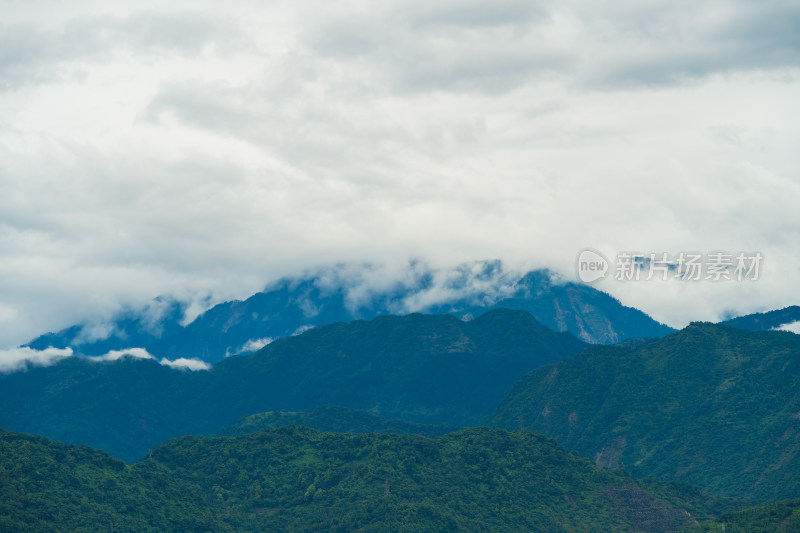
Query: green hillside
x: 425, y: 368
x: 52, y: 487
x: 299, y: 479
x: 335, y: 419
x: 714, y: 406
x: 472, y: 480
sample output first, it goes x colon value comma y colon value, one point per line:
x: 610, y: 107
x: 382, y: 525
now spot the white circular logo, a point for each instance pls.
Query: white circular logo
x: 592, y: 265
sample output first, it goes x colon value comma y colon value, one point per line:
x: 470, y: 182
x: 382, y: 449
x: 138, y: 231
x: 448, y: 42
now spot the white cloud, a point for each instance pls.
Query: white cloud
x: 203, y: 150
x: 7, y: 313
x: 182, y: 363
x: 95, y: 330
x: 31, y: 54
x: 250, y: 346
x: 115, y: 355
x: 17, y: 359
x: 302, y: 329
x: 254, y: 345
x: 794, y: 327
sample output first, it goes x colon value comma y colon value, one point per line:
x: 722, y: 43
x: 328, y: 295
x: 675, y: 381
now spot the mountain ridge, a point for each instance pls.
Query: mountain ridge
x: 291, y: 304
x: 332, y: 418
x: 429, y: 369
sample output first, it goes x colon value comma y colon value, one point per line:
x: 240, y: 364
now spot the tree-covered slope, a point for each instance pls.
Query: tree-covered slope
x: 333, y: 418
x: 711, y: 405
x: 472, y: 480
x: 299, y: 479
x: 124, y: 407
x: 422, y: 368
x: 344, y: 294
x: 53, y: 487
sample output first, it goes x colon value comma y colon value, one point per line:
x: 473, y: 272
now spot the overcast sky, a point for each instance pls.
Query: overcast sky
x: 206, y: 148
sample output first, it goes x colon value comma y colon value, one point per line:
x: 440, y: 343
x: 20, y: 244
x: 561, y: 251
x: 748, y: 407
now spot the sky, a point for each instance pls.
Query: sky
x: 203, y: 149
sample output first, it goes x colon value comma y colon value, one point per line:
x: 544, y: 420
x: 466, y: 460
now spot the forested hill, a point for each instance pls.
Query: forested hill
x: 47, y: 486
x: 433, y: 369
x: 299, y: 479
x: 715, y: 406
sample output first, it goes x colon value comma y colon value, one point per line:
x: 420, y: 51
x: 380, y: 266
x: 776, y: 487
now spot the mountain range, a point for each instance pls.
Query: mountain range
x: 292, y: 305
x: 678, y: 430
x: 432, y: 369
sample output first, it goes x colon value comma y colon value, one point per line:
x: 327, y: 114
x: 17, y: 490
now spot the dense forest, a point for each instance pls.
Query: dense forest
x: 711, y: 405
x: 299, y: 479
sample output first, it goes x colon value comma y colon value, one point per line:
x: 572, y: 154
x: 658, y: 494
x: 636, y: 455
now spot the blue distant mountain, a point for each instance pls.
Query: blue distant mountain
x: 344, y: 293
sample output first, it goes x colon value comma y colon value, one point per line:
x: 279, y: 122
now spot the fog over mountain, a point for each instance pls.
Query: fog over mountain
x: 166, y: 329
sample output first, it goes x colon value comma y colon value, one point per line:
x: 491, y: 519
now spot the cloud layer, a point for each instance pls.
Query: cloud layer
x: 17, y: 359
x: 794, y: 327
x: 181, y: 363
x: 21, y: 358
x: 202, y: 150
x: 253, y: 345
